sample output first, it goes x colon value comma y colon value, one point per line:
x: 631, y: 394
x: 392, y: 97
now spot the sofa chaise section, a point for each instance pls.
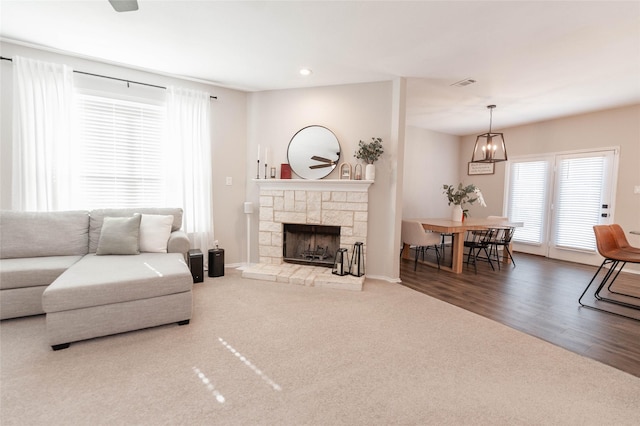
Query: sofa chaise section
x: 103, y: 295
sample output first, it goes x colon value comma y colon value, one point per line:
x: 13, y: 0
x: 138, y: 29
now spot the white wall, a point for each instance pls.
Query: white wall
x: 228, y: 116
x: 353, y: 112
x: 430, y: 161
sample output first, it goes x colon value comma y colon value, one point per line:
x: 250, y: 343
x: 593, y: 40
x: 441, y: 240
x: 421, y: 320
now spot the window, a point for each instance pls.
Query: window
x: 578, y: 207
x: 119, y: 143
x: 527, y: 200
x: 560, y: 197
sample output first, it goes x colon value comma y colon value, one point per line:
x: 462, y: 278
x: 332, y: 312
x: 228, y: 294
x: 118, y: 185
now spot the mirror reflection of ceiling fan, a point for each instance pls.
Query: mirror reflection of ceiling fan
x: 326, y: 161
x: 124, y: 5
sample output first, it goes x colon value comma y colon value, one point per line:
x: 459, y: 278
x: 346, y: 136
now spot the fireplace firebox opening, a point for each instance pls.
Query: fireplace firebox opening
x: 310, y: 244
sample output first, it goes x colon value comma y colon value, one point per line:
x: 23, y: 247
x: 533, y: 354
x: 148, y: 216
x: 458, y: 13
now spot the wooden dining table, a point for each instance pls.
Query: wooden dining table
x: 458, y: 230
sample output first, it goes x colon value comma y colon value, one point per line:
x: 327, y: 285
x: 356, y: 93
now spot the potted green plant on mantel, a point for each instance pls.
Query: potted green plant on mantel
x: 369, y: 152
x: 460, y: 196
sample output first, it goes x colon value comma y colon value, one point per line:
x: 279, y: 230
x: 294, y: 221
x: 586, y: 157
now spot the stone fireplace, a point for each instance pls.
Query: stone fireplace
x: 312, y: 205
x: 335, y: 203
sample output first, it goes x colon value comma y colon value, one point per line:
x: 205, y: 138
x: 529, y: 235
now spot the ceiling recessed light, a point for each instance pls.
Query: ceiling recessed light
x: 305, y: 71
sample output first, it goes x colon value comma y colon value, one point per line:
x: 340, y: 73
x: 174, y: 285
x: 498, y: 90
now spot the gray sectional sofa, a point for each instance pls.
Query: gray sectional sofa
x: 95, y: 273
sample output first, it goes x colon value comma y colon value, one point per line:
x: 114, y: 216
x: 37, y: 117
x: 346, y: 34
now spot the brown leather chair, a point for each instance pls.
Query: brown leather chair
x: 608, y: 243
x: 621, y: 239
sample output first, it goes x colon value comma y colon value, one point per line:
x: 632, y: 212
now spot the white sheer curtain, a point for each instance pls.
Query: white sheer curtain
x: 189, y: 163
x: 42, y: 96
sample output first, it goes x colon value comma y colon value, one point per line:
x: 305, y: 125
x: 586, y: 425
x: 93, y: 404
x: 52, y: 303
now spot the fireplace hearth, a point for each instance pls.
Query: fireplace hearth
x: 310, y: 244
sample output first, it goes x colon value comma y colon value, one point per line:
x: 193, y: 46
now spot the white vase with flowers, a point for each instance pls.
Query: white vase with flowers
x: 461, y: 195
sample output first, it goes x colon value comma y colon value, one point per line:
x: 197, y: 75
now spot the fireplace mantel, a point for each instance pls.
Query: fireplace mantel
x: 314, y: 185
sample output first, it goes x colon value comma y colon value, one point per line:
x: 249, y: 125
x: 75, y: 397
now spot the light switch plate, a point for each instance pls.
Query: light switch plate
x: 636, y: 189
x: 229, y: 180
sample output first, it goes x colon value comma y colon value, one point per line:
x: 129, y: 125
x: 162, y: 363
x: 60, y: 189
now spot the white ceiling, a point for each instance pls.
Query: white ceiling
x: 535, y: 60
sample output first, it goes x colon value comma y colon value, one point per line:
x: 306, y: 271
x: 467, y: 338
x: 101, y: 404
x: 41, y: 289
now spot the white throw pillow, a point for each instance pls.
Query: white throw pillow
x: 155, y: 230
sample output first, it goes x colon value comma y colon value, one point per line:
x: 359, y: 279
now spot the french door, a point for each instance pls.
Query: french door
x: 560, y: 197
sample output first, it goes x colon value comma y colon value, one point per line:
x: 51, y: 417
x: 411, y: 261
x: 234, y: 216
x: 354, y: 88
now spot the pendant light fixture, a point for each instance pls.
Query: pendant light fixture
x: 489, y: 146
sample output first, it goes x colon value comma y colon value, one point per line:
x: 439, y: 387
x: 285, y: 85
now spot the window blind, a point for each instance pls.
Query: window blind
x: 579, y: 201
x: 120, y: 148
x: 527, y: 199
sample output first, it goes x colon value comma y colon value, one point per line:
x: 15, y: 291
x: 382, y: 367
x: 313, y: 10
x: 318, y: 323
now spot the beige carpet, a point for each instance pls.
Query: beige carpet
x: 280, y: 354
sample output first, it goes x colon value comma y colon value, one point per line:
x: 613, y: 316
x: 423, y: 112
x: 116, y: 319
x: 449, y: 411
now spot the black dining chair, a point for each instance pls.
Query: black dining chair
x: 443, y: 243
x: 502, y: 239
x: 479, y: 241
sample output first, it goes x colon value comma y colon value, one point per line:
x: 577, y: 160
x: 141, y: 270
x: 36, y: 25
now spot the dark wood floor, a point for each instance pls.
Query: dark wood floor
x: 538, y: 297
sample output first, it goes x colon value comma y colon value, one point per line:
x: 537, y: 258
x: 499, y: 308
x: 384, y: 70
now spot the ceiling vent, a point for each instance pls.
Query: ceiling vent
x: 465, y: 82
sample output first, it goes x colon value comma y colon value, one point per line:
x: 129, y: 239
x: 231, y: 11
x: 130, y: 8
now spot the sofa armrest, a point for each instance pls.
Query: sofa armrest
x: 178, y: 242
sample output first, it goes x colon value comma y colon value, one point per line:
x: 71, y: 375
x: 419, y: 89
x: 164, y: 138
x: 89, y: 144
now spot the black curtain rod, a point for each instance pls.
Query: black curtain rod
x: 112, y: 78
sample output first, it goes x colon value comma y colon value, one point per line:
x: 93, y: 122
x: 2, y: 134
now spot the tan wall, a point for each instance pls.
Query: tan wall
x: 353, y: 112
x: 228, y: 117
x: 430, y: 161
x: 415, y: 170
x: 615, y: 127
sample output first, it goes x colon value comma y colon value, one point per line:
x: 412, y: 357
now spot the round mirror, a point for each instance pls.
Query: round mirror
x: 313, y: 152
